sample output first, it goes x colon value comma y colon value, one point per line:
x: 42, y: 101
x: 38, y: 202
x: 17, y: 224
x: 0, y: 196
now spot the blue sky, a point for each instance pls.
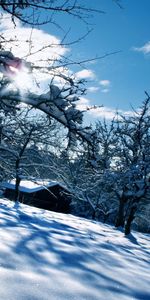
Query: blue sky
x: 117, y: 81
x: 126, y: 73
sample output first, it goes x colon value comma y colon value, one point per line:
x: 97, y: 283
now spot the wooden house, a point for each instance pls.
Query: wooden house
x: 50, y: 195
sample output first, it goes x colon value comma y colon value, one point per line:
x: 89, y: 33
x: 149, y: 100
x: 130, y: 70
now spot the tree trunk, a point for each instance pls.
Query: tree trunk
x: 17, y: 181
x: 93, y: 214
x: 17, y: 189
x: 129, y: 220
x: 120, y: 216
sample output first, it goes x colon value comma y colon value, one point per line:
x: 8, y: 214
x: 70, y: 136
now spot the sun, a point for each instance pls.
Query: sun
x: 21, y: 78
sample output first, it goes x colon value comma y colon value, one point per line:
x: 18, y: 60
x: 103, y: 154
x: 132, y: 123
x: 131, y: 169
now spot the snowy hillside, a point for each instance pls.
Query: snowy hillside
x: 48, y: 256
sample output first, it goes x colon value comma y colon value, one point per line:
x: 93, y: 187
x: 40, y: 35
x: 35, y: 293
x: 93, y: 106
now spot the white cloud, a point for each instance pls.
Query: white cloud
x: 104, y: 83
x: 109, y: 113
x: 105, y: 90
x: 6, y: 23
x: 86, y: 73
x: 99, y: 112
x: 34, y: 45
x: 83, y: 103
x: 23, y: 41
x: 103, y: 112
x: 93, y: 89
x: 144, y: 49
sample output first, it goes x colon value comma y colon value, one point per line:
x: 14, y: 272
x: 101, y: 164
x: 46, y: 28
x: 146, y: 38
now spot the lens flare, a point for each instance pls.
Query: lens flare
x: 13, y: 69
x: 21, y: 78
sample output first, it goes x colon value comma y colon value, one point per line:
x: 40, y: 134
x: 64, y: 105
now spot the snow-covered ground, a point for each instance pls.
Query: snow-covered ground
x: 48, y: 256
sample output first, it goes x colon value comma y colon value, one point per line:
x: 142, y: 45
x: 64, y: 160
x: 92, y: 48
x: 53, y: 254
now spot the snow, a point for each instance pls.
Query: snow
x: 30, y: 186
x: 51, y: 256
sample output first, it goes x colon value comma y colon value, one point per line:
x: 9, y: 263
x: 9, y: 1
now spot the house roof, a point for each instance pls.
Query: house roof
x: 30, y: 186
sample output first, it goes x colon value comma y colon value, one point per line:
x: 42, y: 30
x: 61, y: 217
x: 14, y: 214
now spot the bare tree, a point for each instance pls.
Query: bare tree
x: 110, y: 176
x: 57, y: 103
x: 42, y: 12
x: 132, y: 181
x: 86, y: 170
x: 27, y: 140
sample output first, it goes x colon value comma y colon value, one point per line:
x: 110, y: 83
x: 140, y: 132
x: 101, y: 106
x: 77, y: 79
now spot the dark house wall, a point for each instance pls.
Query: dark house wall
x: 55, y: 198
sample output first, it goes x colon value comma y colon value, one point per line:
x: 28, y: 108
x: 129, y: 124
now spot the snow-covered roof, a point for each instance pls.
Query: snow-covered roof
x: 30, y: 186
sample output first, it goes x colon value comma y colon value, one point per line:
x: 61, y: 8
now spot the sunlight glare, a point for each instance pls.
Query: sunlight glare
x: 21, y: 78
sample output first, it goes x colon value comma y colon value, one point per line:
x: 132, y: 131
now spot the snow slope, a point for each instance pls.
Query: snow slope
x: 48, y: 256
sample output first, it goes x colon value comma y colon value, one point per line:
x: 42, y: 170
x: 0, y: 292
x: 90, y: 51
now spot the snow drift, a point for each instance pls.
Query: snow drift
x: 48, y: 256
